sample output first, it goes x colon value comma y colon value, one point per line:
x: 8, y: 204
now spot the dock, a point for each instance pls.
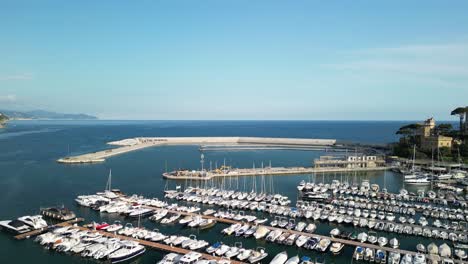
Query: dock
x: 332, y: 239
x: 133, y: 144
x: 37, y: 232
x: 207, y: 175
x: 157, y: 246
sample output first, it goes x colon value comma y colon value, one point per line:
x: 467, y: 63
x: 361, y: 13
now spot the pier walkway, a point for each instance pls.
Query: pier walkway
x: 132, y: 144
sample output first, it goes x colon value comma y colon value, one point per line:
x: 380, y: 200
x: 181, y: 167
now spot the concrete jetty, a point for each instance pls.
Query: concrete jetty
x: 208, y: 175
x: 133, y: 144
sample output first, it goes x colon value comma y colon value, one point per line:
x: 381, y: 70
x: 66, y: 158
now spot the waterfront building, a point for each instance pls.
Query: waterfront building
x: 350, y: 162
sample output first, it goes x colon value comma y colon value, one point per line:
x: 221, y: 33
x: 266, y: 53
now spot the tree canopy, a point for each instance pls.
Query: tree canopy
x: 408, y: 129
x: 459, y: 110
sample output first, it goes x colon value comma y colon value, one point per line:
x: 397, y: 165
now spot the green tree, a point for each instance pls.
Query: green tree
x: 443, y: 129
x: 461, y: 112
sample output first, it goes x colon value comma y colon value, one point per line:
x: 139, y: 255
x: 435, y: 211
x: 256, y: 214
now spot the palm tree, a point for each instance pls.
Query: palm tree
x: 461, y: 112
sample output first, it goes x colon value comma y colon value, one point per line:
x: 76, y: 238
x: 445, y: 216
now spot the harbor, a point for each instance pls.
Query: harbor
x: 333, y: 207
x: 367, y: 207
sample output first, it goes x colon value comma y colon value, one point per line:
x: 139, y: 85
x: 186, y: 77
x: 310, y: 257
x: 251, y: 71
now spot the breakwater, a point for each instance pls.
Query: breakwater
x: 133, y: 144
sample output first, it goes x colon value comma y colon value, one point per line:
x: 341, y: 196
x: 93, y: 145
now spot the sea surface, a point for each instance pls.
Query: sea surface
x: 31, y: 178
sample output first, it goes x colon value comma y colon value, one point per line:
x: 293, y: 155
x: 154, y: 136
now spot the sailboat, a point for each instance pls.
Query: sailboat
x: 108, y: 192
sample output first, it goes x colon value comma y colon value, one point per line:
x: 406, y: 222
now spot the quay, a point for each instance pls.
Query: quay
x: 207, y: 175
x: 45, y: 229
x: 133, y: 144
x: 332, y: 239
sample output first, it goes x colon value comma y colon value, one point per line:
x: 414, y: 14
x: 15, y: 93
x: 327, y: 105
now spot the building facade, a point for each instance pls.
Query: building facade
x: 427, y: 138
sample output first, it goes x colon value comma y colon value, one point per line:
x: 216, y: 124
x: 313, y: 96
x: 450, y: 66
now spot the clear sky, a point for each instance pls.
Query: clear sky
x: 220, y: 59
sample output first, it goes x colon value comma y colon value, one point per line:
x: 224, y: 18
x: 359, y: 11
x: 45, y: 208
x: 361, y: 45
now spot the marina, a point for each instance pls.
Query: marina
x: 358, y: 213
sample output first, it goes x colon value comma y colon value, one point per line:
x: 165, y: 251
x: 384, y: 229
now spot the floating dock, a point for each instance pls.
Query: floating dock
x: 133, y: 144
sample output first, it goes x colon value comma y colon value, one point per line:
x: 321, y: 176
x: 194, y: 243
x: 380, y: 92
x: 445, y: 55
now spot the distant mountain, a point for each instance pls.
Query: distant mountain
x: 41, y: 114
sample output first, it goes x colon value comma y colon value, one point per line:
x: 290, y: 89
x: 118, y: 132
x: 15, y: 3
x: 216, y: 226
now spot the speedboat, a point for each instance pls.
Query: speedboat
x: 257, y: 255
x: 222, y: 250
x: 382, y: 241
x: 394, y: 258
x: 190, y: 258
x: 336, y: 248
x: 232, y: 252
x: 280, y: 258
x: 211, y: 249
x: 244, y: 254
x: 171, y: 258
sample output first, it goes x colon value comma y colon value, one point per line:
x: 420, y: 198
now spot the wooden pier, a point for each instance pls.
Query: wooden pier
x: 45, y: 229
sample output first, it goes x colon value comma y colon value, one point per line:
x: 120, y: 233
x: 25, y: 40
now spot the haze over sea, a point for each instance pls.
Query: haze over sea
x: 30, y: 177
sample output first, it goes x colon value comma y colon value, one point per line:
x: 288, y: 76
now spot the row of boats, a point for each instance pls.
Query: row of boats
x: 164, y: 217
x: 245, y: 255
x: 90, y: 244
x: 277, y: 199
x: 323, y: 191
x: 372, y: 219
x: 279, y: 236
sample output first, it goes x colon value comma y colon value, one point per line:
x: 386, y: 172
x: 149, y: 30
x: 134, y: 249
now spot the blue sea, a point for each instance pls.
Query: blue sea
x: 31, y: 178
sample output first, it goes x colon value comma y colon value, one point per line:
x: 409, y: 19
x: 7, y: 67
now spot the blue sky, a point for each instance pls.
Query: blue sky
x: 319, y: 60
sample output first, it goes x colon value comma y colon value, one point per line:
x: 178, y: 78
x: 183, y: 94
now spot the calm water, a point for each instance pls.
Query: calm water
x: 30, y: 177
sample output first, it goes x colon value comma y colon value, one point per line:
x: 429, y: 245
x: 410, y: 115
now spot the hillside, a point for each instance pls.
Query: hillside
x: 41, y: 114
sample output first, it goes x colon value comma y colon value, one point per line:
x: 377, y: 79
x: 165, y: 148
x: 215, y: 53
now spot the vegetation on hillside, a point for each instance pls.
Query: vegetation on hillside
x: 409, y: 139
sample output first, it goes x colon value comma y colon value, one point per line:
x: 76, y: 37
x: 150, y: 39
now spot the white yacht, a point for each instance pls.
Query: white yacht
x: 190, y: 258
x: 281, y: 258
x: 15, y: 226
x: 257, y: 255
x: 171, y: 258
x: 129, y: 250
x: 35, y: 221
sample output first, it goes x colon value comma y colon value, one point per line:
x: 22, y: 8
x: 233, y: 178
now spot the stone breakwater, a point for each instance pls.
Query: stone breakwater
x: 132, y: 144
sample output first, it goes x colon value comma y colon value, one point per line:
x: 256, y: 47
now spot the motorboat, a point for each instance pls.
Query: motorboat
x: 293, y: 260
x: 128, y: 250
x: 244, y: 254
x: 394, y: 243
x: 171, y: 258
x: 280, y: 258
x: 190, y: 258
x: 336, y: 248
x: 301, y: 240
x: 382, y: 241
x: 211, y: 249
x: 222, y: 250
x: 233, y: 251
x: 394, y: 258
x: 257, y: 255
